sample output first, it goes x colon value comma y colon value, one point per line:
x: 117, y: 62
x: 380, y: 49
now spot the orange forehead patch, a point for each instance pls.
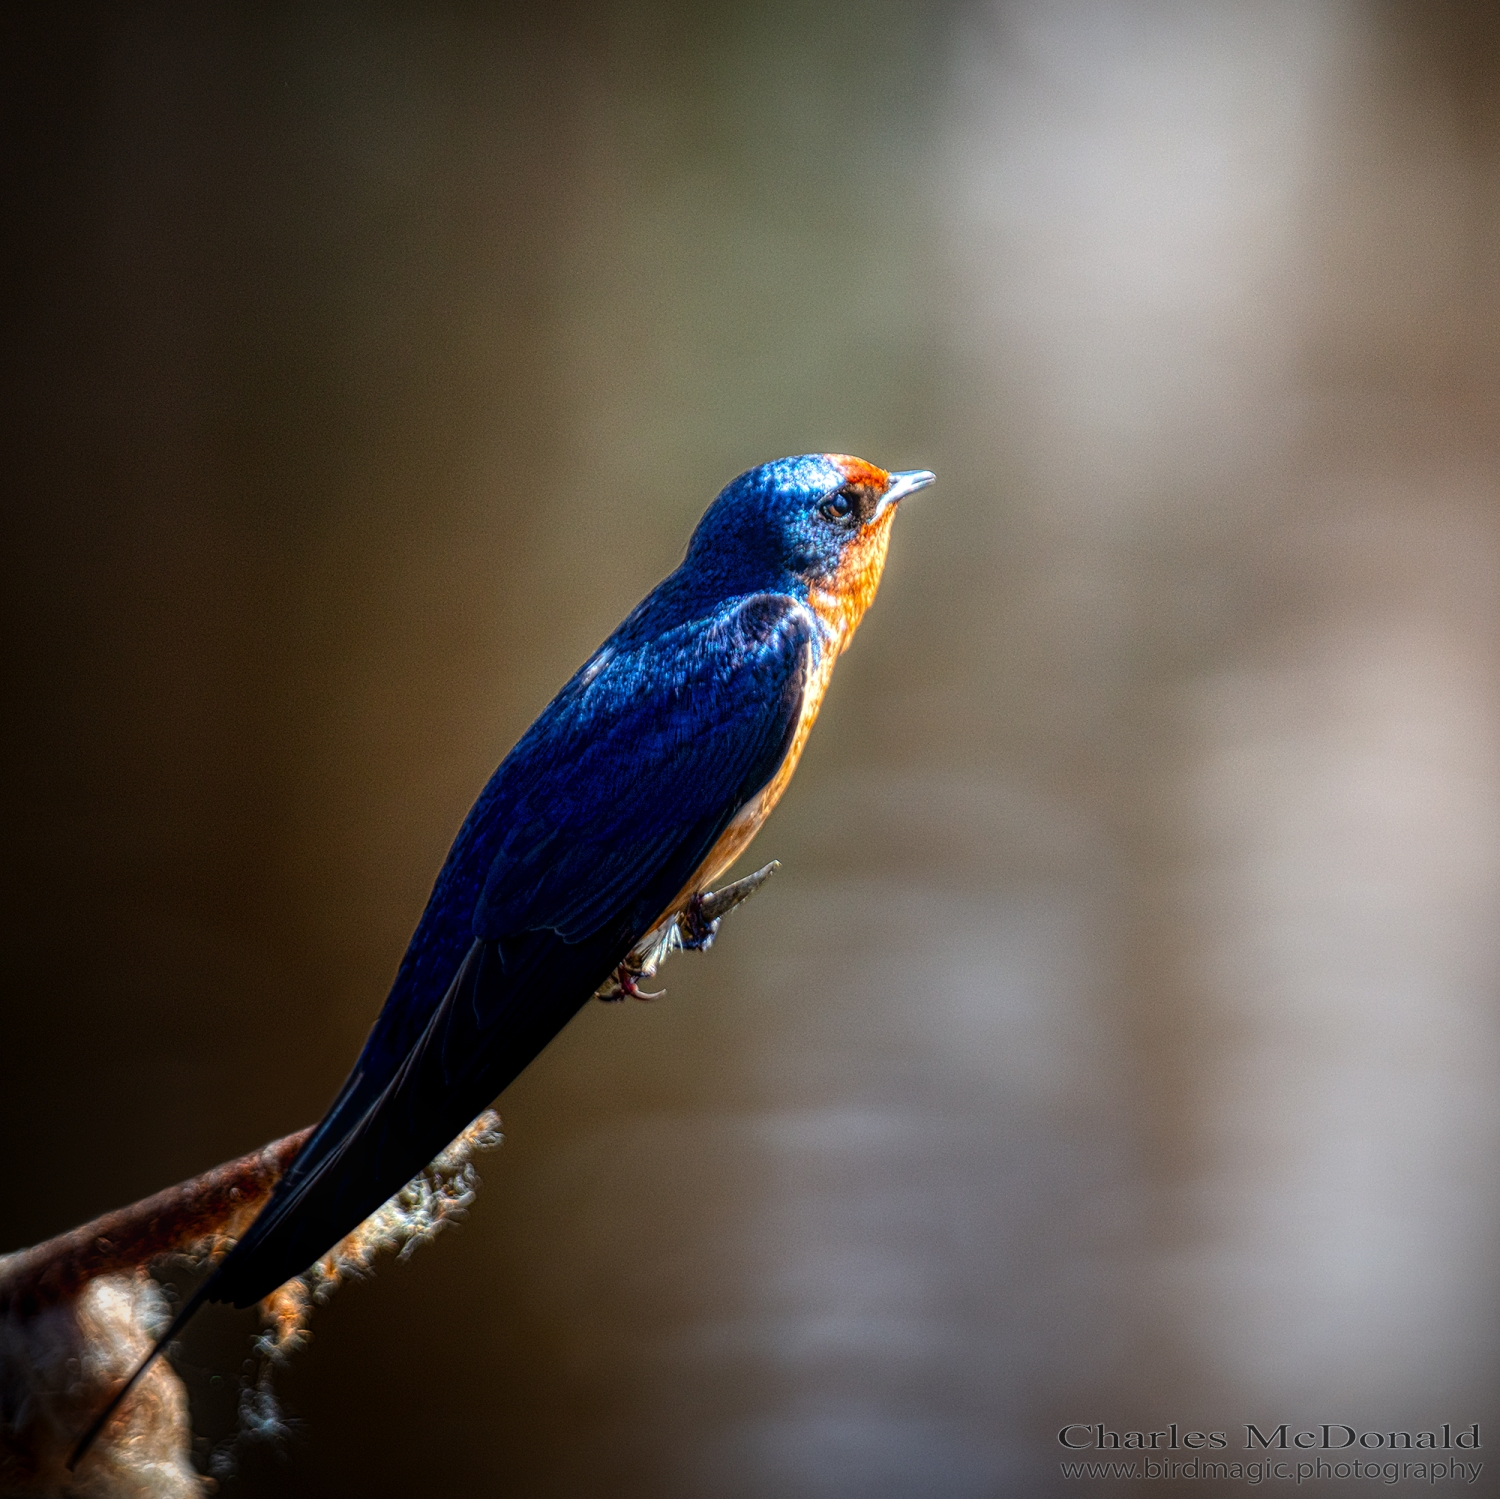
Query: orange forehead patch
x: 857, y: 471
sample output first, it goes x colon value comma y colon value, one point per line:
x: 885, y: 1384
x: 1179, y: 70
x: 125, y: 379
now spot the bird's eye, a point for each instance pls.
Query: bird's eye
x: 839, y: 506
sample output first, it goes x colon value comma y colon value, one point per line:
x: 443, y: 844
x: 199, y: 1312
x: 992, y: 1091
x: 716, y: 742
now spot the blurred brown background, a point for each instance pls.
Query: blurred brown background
x: 1120, y: 1041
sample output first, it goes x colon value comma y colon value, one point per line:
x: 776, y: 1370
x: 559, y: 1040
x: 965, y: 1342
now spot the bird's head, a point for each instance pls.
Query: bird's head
x: 821, y: 521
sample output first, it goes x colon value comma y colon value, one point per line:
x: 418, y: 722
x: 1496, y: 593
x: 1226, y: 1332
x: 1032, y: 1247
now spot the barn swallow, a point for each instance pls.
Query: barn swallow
x: 640, y: 783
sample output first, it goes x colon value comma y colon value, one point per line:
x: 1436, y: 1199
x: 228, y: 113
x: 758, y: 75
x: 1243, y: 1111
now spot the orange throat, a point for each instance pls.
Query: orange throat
x: 840, y: 602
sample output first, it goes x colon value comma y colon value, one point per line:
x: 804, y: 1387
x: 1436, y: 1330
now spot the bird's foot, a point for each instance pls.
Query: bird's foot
x: 625, y: 980
x: 692, y: 930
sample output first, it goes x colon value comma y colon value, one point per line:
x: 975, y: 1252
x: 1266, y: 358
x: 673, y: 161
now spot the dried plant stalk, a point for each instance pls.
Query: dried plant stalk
x: 79, y: 1312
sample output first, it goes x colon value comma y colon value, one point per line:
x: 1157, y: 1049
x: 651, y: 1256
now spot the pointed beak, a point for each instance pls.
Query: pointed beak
x: 902, y: 485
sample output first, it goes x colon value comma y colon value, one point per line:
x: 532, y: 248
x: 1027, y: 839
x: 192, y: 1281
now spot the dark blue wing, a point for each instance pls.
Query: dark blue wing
x: 575, y: 848
x: 661, y: 744
x: 629, y: 774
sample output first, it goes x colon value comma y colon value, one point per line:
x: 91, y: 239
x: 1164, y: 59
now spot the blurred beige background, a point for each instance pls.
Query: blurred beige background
x: 1120, y: 1041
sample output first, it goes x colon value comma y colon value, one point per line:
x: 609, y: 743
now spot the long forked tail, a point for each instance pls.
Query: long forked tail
x: 496, y: 1015
x: 492, y: 1022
